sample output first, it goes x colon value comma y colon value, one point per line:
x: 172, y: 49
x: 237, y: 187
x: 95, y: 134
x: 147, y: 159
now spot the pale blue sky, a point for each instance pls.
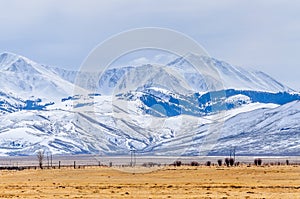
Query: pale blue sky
x: 264, y: 35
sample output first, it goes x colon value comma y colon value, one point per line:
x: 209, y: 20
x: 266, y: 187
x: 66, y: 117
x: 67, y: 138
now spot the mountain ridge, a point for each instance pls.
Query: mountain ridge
x: 156, y: 110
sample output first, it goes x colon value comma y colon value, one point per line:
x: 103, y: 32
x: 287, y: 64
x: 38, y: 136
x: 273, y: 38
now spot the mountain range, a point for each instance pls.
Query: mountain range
x: 178, y: 109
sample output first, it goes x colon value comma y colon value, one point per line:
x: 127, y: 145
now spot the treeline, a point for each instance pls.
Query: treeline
x: 231, y: 162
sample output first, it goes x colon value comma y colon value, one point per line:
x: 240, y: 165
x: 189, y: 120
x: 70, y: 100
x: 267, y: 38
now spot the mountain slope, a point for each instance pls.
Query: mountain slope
x: 196, y: 73
x: 264, y: 131
x: 156, y: 110
x: 231, y: 77
x: 29, y: 80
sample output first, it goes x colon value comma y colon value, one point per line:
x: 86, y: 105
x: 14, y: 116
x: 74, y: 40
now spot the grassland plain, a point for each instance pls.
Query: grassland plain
x: 165, y: 182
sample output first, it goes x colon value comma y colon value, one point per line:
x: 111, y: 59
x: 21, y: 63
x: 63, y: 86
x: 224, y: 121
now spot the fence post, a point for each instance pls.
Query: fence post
x: 51, y: 159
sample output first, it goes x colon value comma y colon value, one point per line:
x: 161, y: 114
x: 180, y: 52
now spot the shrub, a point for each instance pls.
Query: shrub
x: 194, y: 163
x: 255, y: 162
x: 177, y: 163
x: 231, y: 162
x: 278, y: 163
x: 220, y: 162
x: 258, y: 162
x: 208, y: 163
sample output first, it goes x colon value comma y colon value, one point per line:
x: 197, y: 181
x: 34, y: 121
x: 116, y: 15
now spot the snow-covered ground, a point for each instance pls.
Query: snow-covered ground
x: 172, y: 110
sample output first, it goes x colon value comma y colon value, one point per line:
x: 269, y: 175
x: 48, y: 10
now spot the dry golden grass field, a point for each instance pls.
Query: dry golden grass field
x: 165, y: 182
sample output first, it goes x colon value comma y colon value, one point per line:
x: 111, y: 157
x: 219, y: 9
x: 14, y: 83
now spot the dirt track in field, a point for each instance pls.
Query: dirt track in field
x: 165, y: 182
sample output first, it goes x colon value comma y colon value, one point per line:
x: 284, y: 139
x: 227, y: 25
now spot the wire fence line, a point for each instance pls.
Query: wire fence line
x: 83, y: 161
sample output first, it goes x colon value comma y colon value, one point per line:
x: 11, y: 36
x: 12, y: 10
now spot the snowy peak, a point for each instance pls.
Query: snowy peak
x: 188, y: 74
x: 231, y: 77
x: 20, y: 65
x: 197, y: 73
x: 27, y: 79
x: 145, y: 76
x: 7, y: 58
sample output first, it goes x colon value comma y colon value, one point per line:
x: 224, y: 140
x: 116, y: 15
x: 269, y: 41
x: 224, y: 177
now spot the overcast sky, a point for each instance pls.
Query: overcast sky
x: 264, y: 35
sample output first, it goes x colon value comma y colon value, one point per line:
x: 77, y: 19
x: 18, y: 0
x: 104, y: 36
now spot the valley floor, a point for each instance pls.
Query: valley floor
x: 163, y: 182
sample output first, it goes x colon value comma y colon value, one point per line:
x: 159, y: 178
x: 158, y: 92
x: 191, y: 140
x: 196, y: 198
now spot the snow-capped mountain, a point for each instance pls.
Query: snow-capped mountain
x: 194, y: 73
x: 231, y: 77
x: 26, y: 79
x: 165, y: 110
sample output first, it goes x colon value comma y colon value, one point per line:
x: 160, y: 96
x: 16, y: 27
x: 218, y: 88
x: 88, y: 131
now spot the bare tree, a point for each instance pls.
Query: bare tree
x: 40, y: 156
x: 227, y: 162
